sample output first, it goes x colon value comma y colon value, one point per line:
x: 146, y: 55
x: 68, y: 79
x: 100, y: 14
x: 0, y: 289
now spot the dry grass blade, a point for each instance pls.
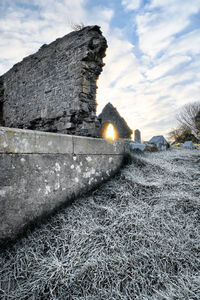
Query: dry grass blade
x: 136, y: 237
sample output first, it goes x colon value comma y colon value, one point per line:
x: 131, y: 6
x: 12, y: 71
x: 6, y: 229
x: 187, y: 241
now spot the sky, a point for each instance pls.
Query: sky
x: 152, y: 64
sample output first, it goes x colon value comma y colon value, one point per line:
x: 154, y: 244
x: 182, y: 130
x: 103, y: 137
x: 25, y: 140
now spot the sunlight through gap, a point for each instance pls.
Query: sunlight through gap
x: 110, y: 132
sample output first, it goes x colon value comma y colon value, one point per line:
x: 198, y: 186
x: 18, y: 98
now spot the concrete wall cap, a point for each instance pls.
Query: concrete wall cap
x: 28, y: 141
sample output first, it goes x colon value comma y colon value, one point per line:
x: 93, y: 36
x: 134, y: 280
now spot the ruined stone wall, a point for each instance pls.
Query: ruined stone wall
x: 110, y: 114
x: 55, y: 88
x: 137, y: 136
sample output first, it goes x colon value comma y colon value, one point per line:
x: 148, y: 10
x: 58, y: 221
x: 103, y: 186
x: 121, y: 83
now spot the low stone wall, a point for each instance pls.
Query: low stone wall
x: 41, y: 171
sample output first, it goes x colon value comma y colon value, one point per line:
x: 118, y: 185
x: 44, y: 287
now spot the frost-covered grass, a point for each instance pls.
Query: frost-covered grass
x: 136, y: 237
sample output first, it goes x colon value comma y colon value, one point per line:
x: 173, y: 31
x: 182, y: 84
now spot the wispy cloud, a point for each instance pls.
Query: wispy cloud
x: 166, y: 58
x: 152, y: 62
x: 131, y: 4
x: 24, y: 27
x: 161, y: 21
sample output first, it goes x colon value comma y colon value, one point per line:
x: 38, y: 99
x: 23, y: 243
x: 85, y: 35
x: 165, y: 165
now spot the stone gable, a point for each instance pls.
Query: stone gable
x: 110, y: 114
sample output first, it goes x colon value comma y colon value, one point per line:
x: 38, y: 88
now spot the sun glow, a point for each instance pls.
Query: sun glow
x: 110, y: 132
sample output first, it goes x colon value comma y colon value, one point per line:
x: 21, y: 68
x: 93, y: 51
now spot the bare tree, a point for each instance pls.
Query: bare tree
x: 175, y: 133
x: 197, y: 124
x: 186, y: 117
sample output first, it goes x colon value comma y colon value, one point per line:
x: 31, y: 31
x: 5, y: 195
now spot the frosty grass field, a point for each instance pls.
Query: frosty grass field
x: 136, y: 237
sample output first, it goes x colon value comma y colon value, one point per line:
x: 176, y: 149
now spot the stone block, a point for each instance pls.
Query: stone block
x: 83, y: 145
x: 28, y: 141
x: 189, y: 145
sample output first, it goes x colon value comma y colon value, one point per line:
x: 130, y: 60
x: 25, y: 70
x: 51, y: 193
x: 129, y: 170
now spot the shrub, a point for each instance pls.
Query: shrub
x: 151, y: 148
x: 77, y: 27
x: 186, y: 136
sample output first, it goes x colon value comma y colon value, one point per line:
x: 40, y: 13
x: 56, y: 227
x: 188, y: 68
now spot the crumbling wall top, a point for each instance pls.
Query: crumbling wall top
x: 55, y: 88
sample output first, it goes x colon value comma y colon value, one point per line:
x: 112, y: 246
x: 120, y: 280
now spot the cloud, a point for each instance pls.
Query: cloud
x: 121, y: 75
x: 188, y: 43
x: 101, y: 16
x: 24, y: 27
x: 165, y: 66
x: 158, y: 25
x: 152, y: 63
x: 169, y: 58
x: 131, y: 4
x: 151, y: 86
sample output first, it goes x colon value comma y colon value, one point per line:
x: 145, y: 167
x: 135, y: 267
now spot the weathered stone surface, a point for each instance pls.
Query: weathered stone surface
x: 189, y: 145
x: 137, y: 136
x: 97, y: 146
x: 33, y: 185
x: 41, y: 171
x: 29, y: 141
x: 137, y: 146
x: 55, y: 88
x: 110, y: 115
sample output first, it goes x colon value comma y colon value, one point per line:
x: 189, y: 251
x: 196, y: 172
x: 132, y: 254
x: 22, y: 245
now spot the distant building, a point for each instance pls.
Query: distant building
x: 189, y: 145
x: 160, y: 142
x: 109, y: 115
x: 137, y: 136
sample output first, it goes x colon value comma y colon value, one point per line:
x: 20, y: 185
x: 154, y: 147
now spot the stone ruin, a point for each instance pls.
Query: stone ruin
x: 160, y: 142
x: 109, y: 115
x: 137, y: 136
x: 55, y: 89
